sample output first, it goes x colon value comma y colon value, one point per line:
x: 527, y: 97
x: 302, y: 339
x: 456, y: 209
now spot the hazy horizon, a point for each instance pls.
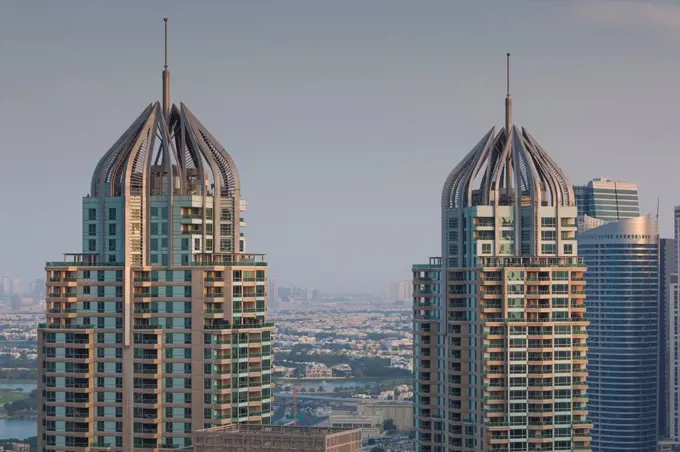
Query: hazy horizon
x: 343, y: 118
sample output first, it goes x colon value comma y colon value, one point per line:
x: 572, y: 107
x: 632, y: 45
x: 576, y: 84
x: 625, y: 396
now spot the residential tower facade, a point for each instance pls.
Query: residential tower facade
x: 499, y: 319
x: 158, y: 327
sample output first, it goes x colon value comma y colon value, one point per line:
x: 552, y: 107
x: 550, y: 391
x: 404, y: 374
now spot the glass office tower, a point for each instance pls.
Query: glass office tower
x: 622, y: 299
x: 607, y: 200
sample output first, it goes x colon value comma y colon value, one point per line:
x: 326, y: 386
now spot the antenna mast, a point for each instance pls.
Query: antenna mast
x: 166, y: 75
x: 508, y: 98
x: 508, y: 129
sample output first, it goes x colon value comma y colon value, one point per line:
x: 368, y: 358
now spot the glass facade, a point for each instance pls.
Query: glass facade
x: 607, y: 200
x: 622, y: 307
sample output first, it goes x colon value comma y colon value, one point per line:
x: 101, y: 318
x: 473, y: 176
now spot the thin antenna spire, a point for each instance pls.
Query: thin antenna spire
x: 165, y: 19
x: 507, y: 70
x: 658, y: 200
x: 166, y: 74
x: 508, y: 98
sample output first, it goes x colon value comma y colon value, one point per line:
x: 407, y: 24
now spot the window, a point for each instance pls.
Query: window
x: 92, y: 214
x: 92, y: 229
x: 486, y: 248
x: 154, y: 228
x: 112, y: 229
x: 112, y: 244
x: 197, y: 244
x: 548, y: 222
x: 185, y: 244
x: 568, y: 248
x: 548, y: 235
x: 92, y: 245
x: 112, y: 213
x: 548, y: 248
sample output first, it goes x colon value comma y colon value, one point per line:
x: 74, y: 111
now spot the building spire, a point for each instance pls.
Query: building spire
x: 508, y: 98
x: 166, y: 74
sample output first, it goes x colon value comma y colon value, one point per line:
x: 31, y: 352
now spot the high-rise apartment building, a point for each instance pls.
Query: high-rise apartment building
x: 158, y: 327
x: 607, y: 200
x: 623, y: 337
x: 499, y: 320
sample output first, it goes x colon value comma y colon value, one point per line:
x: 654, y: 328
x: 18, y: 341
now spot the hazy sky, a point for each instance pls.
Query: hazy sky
x: 344, y: 117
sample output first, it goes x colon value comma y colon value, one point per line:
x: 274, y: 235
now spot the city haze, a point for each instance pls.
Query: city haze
x: 343, y: 118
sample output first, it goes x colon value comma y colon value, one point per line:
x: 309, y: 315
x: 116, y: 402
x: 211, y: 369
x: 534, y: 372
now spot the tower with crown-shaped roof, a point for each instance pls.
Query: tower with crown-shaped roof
x: 158, y: 327
x: 500, y: 348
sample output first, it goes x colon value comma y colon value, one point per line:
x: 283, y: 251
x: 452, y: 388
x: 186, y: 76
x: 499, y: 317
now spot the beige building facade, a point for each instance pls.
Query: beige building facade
x: 500, y: 352
x: 158, y: 327
x: 400, y: 412
x: 260, y: 438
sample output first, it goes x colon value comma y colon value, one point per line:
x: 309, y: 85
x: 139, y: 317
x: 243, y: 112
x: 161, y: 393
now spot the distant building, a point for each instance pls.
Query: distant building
x: 261, y: 438
x: 37, y: 288
x: 318, y: 371
x: 274, y: 292
x: 16, y: 302
x: 400, y: 413
x: 16, y: 286
x: 370, y: 424
x: 607, y: 199
x: 6, y: 287
x: 401, y: 291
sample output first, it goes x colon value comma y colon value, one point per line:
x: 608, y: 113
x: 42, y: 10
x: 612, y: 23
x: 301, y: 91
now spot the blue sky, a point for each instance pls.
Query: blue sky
x: 344, y: 118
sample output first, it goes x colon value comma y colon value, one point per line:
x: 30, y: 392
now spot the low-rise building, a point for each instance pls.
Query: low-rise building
x: 276, y: 438
x: 318, y: 371
x: 400, y: 413
x: 370, y: 424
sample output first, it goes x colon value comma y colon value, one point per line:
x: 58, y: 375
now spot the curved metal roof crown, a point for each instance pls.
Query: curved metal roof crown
x: 166, y: 151
x: 159, y: 155
x: 506, y: 168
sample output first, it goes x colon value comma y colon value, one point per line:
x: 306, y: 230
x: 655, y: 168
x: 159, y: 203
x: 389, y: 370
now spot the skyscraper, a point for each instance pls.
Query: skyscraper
x: 667, y: 268
x: 607, y: 200
x: 499, y: 328
x: 158, y: 327
x: 623, y: 309
x: 673, y: 340
x: 7, y: 287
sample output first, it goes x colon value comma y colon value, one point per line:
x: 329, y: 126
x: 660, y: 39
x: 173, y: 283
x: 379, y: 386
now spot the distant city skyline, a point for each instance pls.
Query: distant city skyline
x: 341, y: 116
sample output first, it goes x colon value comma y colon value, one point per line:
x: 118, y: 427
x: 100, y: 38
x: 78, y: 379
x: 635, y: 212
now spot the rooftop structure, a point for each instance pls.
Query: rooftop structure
x: 260, y: 438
